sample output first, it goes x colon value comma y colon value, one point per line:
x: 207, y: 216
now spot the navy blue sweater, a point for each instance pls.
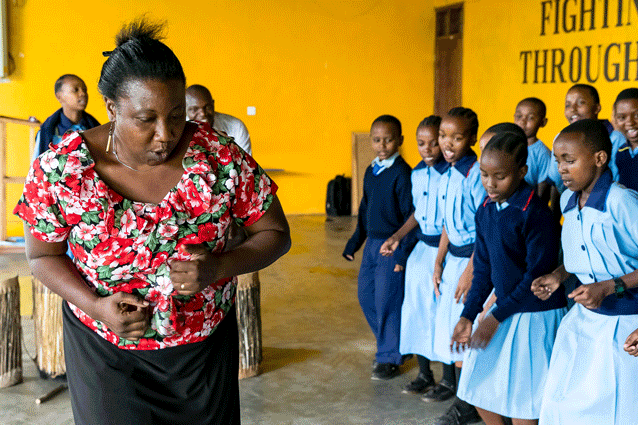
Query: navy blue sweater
x: 627, y: 167
x: 386, y: 204
x: 62, y: 123
x: 513, y: 247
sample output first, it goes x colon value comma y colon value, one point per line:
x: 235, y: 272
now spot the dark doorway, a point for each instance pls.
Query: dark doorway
x: 449, y: 58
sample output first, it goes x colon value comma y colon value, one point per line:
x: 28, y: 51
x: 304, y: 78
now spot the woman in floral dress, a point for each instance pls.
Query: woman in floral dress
x: 150, y: 333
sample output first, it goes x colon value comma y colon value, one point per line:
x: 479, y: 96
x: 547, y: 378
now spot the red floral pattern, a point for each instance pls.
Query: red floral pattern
x: 121, y: 245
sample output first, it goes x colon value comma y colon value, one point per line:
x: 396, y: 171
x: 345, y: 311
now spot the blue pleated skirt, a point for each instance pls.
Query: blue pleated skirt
x: 445, y: 313
x: 508, y: 376
x: 418, y: 309
x: 591, y: 379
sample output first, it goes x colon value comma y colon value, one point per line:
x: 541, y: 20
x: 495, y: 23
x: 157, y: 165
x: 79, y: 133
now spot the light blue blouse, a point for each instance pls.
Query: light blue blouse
x: 460, y: 194
x: 600, y: 241
x: 539, y: 159
x: 425, y: 185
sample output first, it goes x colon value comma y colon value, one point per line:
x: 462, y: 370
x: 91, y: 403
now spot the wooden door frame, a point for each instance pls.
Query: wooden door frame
x: 448, y: 30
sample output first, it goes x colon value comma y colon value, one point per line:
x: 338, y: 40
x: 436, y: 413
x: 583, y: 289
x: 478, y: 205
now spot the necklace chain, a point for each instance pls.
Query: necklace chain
x: 117, y: 158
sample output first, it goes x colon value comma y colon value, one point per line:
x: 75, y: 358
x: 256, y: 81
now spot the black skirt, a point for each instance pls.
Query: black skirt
x: 189, y: 384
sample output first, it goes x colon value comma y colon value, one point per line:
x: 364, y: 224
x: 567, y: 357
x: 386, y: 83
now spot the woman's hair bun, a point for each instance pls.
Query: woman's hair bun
x: 139, y: 55
x: 140, y: 29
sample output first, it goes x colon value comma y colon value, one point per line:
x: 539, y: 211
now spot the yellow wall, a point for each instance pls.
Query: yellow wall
x: 316, y: 70
x: 496, y: 32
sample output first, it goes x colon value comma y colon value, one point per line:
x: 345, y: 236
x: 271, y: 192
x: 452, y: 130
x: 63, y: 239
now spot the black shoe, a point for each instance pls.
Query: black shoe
x: 406, y: 357
x: 420, y: 385
x: 383, y: 371
x: 459, y: 413
x: 441, y: 392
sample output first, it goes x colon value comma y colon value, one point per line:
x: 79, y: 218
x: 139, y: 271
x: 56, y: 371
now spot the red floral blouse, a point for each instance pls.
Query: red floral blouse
x: 122, y: 245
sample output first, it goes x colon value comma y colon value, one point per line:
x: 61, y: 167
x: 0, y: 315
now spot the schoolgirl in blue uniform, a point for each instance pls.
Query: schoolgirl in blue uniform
x: 516, y: 241
x: 582, y: 101
x: 460, y: 194
x: 591, y: 379
x: 626, y: 116
x: 530, y: 115
x: 417, y: 332
x: 385, y: 206
x: 504, y: 127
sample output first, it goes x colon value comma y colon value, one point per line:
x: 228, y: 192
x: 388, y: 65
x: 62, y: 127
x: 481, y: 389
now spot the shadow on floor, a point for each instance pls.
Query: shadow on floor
x: 276, y: 358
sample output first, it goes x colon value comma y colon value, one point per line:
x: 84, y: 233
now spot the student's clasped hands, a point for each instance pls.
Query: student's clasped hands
x: 463, y: 338
x: 387, y: 250
x: 389, y: 246
x: 589, y: 295
x: 543, y: 287
x: 631, y: 343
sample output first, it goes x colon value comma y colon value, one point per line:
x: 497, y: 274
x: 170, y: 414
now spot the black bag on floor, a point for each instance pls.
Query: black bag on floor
x: 338, y: 196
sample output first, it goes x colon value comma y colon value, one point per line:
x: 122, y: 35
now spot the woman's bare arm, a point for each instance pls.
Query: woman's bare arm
x: 51, y: 266
x: 268, y: 239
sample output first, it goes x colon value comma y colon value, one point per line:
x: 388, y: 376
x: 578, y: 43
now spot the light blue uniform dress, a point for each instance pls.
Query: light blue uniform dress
x: 539, y: 159
x: 516, y: 242
x: 419, y: 302
x: 591, y: 379
x: 460, y: 194
x: 617, y: 140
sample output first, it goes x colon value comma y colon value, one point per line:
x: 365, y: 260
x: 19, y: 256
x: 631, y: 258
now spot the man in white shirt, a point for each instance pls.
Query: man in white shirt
x: 200, y: 106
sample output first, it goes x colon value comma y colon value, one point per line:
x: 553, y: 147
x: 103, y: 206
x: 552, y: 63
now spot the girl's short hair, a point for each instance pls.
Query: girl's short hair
x: 390, y: 119
x: 511, y: 143
x: 431, y: 121
x: 139, y: 55
x: 591, y: 89
x: 60, y: 81
x: 469, y: 115
x: 506, y: 127
x: 596, y: 135
x: 542, y: 108
x: 631, y: 93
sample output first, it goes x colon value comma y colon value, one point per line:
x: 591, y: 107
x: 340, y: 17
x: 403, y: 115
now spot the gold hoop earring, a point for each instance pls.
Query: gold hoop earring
x: 108, y: 141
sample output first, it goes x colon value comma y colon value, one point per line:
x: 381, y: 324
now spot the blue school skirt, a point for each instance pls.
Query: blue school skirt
x: 445, y: 312
x: 418, y: 309
x: 591, y: 379
x: 508, y: 376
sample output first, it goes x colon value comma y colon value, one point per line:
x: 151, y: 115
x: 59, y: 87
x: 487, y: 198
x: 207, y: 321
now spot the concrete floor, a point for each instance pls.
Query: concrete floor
x: 318, y: 348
